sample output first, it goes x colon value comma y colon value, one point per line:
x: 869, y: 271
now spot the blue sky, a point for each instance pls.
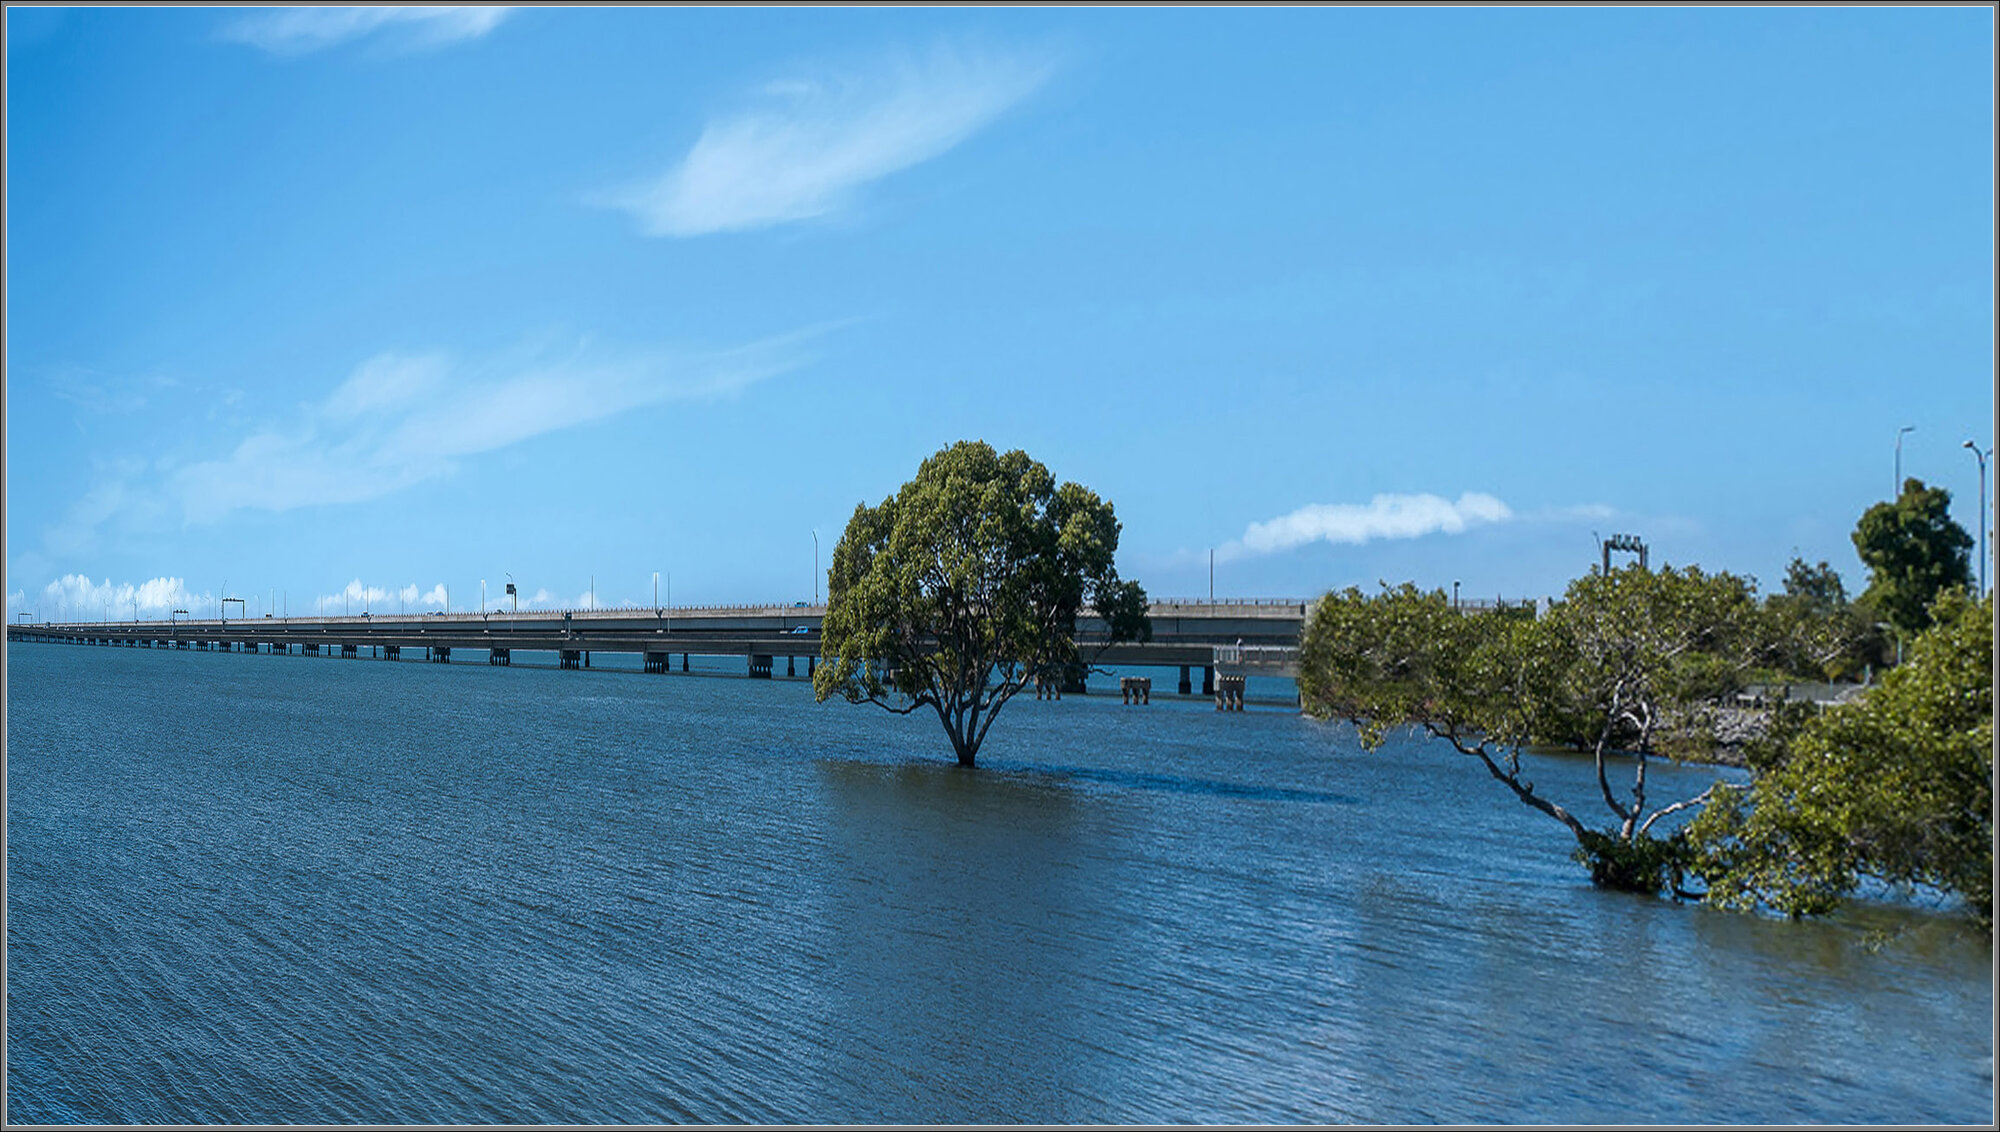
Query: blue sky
x: 316, y: 302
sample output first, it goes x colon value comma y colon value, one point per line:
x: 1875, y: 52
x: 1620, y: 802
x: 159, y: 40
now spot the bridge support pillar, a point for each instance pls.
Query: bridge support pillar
x: 684, y: 662
x: 658, y: 662
x: 586, y: 658
x: 1207, y: 679
x: 571, y: 658
x: 791, y: 663
x: 502, y: 658
x: 809, y: 665
x: 348, y: 652
x: 1229, y: 693
x: 392, y: 652
x: 1187, y: 686
x: 1135, y: 689
x: 440, y: 654
x: 760, y: 667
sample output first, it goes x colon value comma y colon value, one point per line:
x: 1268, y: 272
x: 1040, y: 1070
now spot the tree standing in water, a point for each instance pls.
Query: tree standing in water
x: 966, y: 585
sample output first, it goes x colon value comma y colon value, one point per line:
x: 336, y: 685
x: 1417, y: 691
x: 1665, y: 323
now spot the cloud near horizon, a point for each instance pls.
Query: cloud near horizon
x: 1387, y: 516
x: 811, y: 143
x: 298, y: 31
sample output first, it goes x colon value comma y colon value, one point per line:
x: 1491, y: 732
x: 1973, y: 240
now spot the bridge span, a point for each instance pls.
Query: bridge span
x: 1227, y: 638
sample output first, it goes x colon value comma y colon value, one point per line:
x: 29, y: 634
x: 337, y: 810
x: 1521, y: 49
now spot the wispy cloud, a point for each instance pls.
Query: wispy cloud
x: 401, y: 419
x: 1383, y: 517
x: 297, y: 31
x: 810, y: 143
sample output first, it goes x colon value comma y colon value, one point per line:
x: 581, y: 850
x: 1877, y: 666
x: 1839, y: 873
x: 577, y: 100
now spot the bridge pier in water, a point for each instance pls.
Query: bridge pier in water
x: 760, y: 666
x: 502, y: 658
x: 570, y: 658
x: 1229, y: 693
x: 1135, y: 689
x: 440, y: 654
x: 392, y: 652
x: 658, y: 662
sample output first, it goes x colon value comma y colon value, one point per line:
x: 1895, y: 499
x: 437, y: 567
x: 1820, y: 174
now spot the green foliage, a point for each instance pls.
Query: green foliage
x: 1896, y: 785
x: 977, y: 569
x: 1914, y: 552
x: 1640, y: 864
x: 1626, y: 662
x: 1815, y: 632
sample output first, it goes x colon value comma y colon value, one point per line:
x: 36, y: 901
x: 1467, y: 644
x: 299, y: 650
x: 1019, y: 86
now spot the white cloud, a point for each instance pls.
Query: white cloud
x: 296, y: 31
x: 1383, y: 517
x: 402, y: 419
x: 75, y: 597
x: 811, y: 143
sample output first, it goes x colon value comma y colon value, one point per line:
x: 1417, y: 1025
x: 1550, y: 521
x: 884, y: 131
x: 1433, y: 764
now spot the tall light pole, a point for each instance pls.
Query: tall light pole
x: 512, y: 592
x: 1982, y: 512
x: 815, y: 566
x: 1898, y: 493
x: 482, y: 597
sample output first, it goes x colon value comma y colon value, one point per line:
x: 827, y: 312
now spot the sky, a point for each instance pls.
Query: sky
x: 332, y: 308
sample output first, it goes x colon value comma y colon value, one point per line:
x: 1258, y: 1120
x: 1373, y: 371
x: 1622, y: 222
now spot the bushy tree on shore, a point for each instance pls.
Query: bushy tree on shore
x: 1914, y: 551
x: 1896, y: 785
x: 966, y: 585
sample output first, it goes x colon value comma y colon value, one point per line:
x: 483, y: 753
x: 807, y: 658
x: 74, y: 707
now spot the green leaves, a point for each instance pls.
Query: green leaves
x: 1914, y: 552
x: 1895, y: 785
x: 978, y: 568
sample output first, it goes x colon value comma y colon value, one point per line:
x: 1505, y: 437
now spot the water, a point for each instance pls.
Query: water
x: 248, y: 889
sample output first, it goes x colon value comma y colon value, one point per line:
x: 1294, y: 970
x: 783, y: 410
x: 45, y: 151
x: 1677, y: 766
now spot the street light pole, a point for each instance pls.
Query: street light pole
x: 815, y: 567
x: 1898, y: 493
x: 1982, y: 512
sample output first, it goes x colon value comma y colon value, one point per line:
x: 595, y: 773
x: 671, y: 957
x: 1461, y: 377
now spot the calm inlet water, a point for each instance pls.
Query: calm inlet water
x: 263, y: 889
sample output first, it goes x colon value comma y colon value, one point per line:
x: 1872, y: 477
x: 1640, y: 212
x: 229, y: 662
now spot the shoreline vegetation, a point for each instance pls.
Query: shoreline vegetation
x: 1848, y: 784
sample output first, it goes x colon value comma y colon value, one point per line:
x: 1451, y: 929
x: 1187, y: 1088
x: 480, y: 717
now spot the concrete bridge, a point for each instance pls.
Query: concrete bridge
x: 1227, y: 638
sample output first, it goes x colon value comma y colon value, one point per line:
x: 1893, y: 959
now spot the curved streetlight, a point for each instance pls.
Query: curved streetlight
x: 815, y: 569
x: 1898, y: 493
x: 1982, y: 512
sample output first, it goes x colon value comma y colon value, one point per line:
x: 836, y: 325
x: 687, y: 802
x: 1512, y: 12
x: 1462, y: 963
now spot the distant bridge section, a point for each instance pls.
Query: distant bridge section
x: 1263, y: 633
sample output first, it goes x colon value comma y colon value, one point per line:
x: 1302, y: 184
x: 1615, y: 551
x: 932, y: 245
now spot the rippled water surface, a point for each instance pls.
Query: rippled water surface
x: 280, y: 889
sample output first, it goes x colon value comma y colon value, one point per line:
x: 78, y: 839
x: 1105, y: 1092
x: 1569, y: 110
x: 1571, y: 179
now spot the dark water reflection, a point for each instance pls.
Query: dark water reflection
x: 254, y: 889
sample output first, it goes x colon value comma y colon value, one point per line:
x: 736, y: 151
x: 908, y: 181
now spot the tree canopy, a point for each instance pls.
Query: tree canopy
x: 966, y: 585
x: 1896, y: 785
x: 1627, y: 662
x: 1914, y: 551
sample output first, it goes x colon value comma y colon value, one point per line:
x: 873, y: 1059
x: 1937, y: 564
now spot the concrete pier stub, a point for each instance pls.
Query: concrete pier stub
x: 684, y: 662
x: 1229, y: 693
x: 392, y: 652
x: 1207, y: 679
x: 349, y: 652
x: 1187, y: 686
x: 441, y: 654
x: 571, y: 658
x: 501, y: 658
x: 657, y: 662
x: 760, y: 666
